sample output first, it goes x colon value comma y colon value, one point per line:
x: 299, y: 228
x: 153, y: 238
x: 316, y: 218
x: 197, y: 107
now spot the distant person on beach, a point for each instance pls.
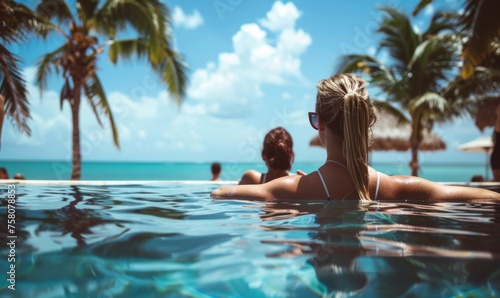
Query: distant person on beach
x: 216, y: 170
x: 19, y: 176
x: 277, y: 153
x: 3, y: 173
x: 343, y: 117
x: 477, y: 178
x: 495, y: 154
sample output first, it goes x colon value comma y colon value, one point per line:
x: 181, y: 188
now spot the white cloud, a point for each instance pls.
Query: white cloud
x: 429, y: 10
x: 281, y: 17
x: 231, y: 86
x: 185, y: 20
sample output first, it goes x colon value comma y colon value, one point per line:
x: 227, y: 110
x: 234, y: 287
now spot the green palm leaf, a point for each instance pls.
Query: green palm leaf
x: 86, y: 9
x: 480, y: 23
x: 399, y: 39
x: 420, y: 6
x: 57, y: 9
x: 173, y: 73
x: 148, y: 18
x: 98, y: 101
x: 146, y: 21
x: 128, y: 48
x: 392, y: 110
x: 13, y: 90
x: 45, y: 65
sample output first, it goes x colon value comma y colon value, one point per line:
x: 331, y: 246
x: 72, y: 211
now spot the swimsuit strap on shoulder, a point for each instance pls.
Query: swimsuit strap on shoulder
x: 324, y: 185
x: 263, y: 178
x: 336, y: 162
x: 377, y: 187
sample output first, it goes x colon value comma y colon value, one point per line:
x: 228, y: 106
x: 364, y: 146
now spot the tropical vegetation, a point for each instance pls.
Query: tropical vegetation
x: 124, y: 29
x: 415, y: 77
x: 479, y: 27
x: 17, y: 21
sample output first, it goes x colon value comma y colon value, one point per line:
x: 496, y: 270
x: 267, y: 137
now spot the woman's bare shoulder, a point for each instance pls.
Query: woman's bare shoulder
x: 295, y: 187
x: 250, y: 177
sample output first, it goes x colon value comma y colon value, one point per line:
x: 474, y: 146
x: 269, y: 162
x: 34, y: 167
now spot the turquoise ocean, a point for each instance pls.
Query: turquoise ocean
x: 60, y: 170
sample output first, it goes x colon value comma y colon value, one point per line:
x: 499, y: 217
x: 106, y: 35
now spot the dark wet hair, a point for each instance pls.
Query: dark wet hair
x: 4, y: 170
x: 278, y: 147
x: 216, y: 168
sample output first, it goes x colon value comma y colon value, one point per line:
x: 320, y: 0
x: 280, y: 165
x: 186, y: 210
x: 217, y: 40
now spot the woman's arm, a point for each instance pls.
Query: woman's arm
x: 415, y: 188
x: 284, y: 187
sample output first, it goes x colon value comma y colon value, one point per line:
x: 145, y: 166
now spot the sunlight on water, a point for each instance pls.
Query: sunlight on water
x: 174, y: 240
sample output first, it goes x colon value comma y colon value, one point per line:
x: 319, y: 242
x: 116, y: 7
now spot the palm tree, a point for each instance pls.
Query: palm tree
x: 480, y: 27
x: 16, y: 21
x: 90, y: 28
x: 414, y: 78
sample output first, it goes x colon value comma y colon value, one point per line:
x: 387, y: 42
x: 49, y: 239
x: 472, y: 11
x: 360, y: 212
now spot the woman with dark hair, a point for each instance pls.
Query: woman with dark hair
x: 343, y: 118
x: 495, y: 155
x: 277, y: 153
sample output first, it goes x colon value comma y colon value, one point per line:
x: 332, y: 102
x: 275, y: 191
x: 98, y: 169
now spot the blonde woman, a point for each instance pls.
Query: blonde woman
x: 344, y: 114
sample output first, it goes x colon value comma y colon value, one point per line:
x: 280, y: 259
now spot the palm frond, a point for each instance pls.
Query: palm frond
x: 391, y: 110
x: 13, y: 91
x: 430, y: 66
x: 480, y: 23
x: 98, y: 101
x: 429, y: 101
x: 380, y: 74
x: 440, y: 23
x: 19, y: 20
x: 420, y: 6
x: 66, y: 93
x: 86, y: 9
x: 432, y: 107
x: 173, y: 72
x: 399, y: 37
x: 148, y: 18
x: 128, y: 48
x: 55, y: 9
x: 45, y: 65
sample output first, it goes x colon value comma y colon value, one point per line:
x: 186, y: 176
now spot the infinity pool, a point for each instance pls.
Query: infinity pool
x: 173, y: 240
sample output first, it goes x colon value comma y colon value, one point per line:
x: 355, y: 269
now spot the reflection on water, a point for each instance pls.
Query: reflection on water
x: 174, y: 240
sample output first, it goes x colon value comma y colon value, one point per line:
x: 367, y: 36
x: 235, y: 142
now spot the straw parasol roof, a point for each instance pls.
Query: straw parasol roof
x: 481, y: 144
x: 486, y: 113
x: 389, y: 134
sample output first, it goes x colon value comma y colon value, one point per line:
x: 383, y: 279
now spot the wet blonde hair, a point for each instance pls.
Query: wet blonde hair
x: 343, y: 104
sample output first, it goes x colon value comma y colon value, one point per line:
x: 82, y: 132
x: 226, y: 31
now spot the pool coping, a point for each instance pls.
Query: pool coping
x: 112, y: 182
x: 186, y: 182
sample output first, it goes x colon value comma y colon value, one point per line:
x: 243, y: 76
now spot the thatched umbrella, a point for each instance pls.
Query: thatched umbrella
x: 481, y: 144
x: 388, y: 134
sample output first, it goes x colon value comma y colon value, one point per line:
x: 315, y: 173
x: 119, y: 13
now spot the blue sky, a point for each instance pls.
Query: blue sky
x: 253, y: 65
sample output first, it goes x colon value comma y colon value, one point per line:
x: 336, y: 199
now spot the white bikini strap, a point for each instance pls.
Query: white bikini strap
x: 378, y: 184
x: 324, y: 184
x: 336, y: 162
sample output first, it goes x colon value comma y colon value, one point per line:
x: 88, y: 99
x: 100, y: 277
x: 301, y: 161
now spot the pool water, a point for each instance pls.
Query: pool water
x: 173, y: 240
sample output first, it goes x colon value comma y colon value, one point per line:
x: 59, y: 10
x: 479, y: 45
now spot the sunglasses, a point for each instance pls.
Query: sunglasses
x: 313, y: 119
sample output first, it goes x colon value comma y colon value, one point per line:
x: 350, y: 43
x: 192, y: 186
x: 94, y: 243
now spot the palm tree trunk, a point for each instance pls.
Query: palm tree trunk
x: 76, y: 171
x: 414, y: 159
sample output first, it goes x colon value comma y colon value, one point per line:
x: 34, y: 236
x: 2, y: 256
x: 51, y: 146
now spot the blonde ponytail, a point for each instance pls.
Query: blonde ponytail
x: 355, y: 145
x: 344, y: 105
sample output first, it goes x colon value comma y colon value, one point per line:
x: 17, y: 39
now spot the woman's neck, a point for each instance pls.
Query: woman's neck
x: 275, y: 173
x: 333, y: 147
